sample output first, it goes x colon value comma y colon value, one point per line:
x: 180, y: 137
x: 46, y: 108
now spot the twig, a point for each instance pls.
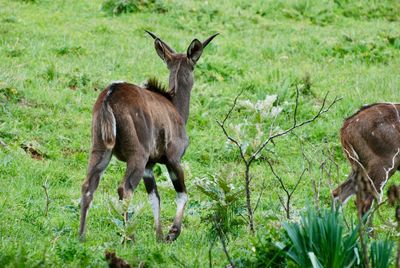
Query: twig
x: 295, y: 125
x: 289, y: 194
x: 45, y: 188
x: 221, y: 236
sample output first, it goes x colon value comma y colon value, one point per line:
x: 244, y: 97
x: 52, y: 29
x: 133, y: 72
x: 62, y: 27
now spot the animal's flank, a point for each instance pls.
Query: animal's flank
x: 156, y: 86
x: 107, y: 120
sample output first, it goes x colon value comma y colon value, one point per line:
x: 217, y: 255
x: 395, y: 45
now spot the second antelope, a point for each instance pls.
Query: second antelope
x: 142, y: 127
x: 371, y: 141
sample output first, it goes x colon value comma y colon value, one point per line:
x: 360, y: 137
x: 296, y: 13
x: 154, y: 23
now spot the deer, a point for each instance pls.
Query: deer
x: 371, y: 142
x: 143, y: 126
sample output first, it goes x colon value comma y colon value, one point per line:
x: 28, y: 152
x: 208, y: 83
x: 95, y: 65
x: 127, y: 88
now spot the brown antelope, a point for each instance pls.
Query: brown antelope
x: 371, y: 142
x: 144, y: 126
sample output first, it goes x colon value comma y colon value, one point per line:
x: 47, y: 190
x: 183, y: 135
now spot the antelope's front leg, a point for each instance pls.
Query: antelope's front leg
x: 177, y: 177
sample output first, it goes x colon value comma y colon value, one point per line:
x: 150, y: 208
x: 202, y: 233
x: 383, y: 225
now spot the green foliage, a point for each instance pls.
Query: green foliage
x: 264, y: 252
x: 224, y: 206
x: 320, y: 240
x: 381, y: 253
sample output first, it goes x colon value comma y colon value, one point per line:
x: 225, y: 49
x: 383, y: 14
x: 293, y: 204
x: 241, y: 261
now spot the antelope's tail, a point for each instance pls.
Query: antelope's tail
x: 107, y: 122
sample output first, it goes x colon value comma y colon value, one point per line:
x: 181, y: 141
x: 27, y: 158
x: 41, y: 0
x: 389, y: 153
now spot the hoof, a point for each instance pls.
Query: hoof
x: 173, y: 234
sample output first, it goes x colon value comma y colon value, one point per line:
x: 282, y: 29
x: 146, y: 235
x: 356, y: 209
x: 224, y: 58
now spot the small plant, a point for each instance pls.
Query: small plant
x: 224, y: 203
x: 319, y: 240
x: 224, y: 211
x: 117, y: 211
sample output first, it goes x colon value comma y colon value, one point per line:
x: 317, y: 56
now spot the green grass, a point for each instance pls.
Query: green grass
x: 56, y: 56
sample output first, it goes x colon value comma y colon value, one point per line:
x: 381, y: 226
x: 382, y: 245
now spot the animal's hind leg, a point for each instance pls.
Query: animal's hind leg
x: 176, y: 175
x: 99, y: 160
x: 134, y: 172
x: 154, y: 197
x: 346, y: 189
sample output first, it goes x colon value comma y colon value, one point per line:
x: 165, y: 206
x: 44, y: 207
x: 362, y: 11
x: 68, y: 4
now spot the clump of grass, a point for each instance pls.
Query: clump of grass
x: 369, y: 9
x: 70, y: 50
x: 78, y: 80
x: 375, y: 50
x: 118, y: 7
x: 314, y: 11
x: 10, y: 94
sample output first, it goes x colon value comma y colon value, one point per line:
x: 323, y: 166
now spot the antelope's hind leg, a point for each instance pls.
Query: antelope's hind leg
x: 177, y: 177
x: 345, y: 190
x: 135, y: 167
x: 154, y: 197
x: 98, y: 162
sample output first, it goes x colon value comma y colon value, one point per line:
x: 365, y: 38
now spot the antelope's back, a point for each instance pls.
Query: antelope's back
x: 372, y: 131
x: 144, y: 117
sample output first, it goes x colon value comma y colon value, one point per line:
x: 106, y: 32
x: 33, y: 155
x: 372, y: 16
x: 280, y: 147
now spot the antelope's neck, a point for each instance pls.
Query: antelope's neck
x: 181, y: 100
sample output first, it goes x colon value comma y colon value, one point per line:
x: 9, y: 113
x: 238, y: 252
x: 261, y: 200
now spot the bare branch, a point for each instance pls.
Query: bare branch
x: 295, y: 125
x: 229, y: 137
x: 298, y: 182
x: 278, y: 178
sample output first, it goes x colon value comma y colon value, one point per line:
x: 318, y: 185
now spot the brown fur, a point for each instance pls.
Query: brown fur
x: 371, y: 140
x: 114, y: 261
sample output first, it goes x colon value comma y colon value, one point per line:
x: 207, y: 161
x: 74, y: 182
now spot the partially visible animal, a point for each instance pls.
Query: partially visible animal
x: 143, y: 126
x: 371, y: 142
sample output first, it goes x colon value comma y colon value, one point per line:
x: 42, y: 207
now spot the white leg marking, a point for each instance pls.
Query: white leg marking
x: 345, y: 201
x: 148, y: 173
x: 181, y: 199
x: 155, y: 205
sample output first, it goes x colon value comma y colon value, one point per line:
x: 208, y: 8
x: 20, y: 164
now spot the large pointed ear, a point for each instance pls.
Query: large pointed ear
x: 195, y: 50
x: 162, y: 50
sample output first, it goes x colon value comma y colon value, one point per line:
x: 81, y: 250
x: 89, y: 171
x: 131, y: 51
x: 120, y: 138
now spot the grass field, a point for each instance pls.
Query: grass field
x: 56, y: 56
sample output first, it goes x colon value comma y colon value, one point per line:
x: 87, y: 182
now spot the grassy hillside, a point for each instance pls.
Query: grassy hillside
x: 56, y: 56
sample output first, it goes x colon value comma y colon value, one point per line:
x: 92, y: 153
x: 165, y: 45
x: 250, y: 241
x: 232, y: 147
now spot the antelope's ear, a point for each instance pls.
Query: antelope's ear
x: 162, y: 51
x: 195, y: 50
